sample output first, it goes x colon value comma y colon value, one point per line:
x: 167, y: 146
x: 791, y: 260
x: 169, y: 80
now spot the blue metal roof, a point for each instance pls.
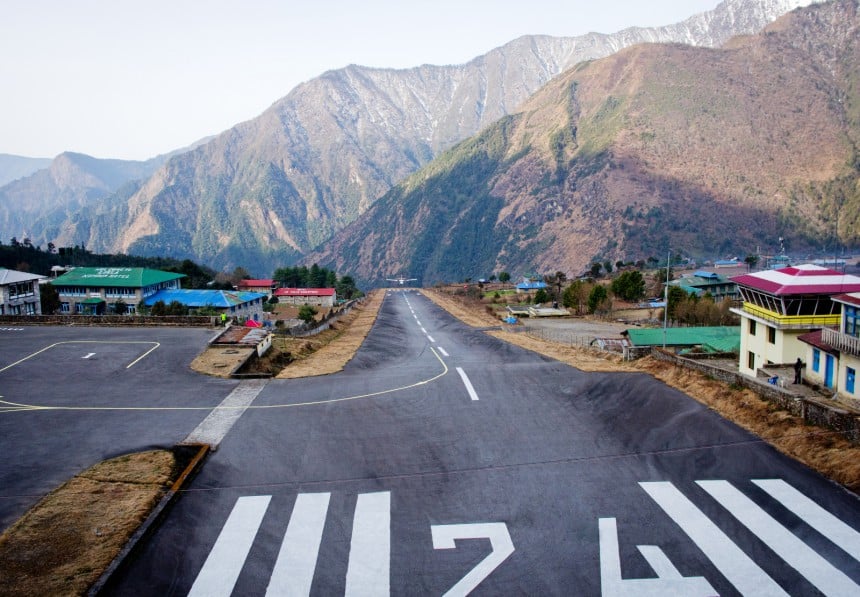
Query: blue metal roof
x: 531, y: 285
x: 706, y: 274
x: 204, y: 298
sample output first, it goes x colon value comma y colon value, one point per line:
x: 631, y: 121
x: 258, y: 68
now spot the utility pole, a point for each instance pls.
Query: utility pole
x: 666, y: 299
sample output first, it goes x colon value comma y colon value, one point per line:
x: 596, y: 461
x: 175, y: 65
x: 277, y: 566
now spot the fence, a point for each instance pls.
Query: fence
x: 305, y: 330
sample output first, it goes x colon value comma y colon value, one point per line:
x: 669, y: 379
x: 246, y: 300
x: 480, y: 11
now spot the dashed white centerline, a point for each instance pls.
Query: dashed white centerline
x: 429, y: 337
x: 423, y: 331
x: 442, y: 350
x: 472, y: 394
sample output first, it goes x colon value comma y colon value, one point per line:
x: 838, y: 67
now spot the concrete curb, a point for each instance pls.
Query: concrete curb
x: 151, y: 521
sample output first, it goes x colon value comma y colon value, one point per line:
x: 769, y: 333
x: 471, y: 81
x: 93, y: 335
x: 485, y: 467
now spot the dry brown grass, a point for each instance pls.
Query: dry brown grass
x: 65, y: 542
x: 821, y: 449
x: 330, y: 351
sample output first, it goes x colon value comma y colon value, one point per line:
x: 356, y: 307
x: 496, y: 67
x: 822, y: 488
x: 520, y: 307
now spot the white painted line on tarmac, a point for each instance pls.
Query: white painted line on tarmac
x: 370, y: 548
x: 429, y: 337
x: 828, y: 579
x: 814, y: 515
x: 215, y: 427
x: 442, y: 350
x: 221, y: 569
x: 92, y: 354
x: 472, y: 394
x: 729, y: 559
x: 423, y: 331
x: 297, y: 560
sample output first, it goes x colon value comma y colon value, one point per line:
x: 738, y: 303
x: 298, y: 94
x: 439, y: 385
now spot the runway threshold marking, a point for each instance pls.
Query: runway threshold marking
x: 215, y: 427
x: 7, y: 406
x: 55, y: 344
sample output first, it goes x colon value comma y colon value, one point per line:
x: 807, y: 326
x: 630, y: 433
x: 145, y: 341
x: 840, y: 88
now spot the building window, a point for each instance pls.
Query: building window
x: 752, y: 327
x: 851, y: 327
x: 64, y: 307
x: 751, y: 360
x: 849, y: 380
x: 771, y: 335
x: 816, y: 360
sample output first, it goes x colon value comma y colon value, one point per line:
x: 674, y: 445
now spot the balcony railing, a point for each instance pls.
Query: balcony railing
x: 797, y: 322
x: 841, y: 342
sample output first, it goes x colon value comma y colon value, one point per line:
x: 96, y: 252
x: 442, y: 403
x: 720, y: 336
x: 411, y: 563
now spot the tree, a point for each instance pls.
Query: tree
x: 751, y: 260
x: 541, y: 296
x: 595, y: 269
x: 49, y: 299
x: 120, y: 307
x: 676, y: 296
x: 159, y: 309
x: 629, y: 286
x: 556, y: 281
x: 504, y: 277
x: 576, y: 296
x: 607, y: 265
x: 597, y: 298
x: 307, y: 313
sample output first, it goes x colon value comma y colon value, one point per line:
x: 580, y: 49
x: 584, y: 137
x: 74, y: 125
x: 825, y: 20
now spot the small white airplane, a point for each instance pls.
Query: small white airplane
x: 400, y: 280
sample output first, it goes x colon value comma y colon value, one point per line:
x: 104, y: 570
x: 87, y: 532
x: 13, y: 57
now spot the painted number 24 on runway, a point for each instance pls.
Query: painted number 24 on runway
x: 369, y: 554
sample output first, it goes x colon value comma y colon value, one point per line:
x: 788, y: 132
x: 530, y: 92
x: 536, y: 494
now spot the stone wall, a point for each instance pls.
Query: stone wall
x: 812, y: 411
x: 110, y: 320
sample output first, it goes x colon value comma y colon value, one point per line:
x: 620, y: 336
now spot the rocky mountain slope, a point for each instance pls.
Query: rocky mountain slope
x: 269, y: 190
x: 704, y: 151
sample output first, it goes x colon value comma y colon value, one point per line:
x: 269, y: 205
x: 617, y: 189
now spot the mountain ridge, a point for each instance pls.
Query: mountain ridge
x: 655, y: 147
x: 279, y: 185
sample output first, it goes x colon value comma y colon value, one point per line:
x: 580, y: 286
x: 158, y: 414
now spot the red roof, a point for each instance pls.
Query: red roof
x: 256, y: 283
x: 304, y: 292
x: 851, y: 299
x: 801, y: 279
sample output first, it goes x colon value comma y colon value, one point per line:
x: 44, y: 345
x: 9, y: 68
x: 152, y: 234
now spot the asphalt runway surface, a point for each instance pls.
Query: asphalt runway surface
x: 444, y: 461
x: 71, y: 397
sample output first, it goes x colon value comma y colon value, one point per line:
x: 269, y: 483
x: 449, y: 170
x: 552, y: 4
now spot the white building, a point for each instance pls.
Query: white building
x: 781, y: 305
x: 19, y: 293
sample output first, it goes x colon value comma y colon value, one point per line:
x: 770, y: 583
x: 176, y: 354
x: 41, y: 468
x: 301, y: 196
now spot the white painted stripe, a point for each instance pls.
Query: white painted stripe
x: 370, y: 548
x: 423, y: 331
x: 224, y: 563
x: 429, y: 337
x: 442, y: 350
x: 814, y: 515
x: 417, y: 320
x: 215, y: 427
x: 91, y: 354
x: 731, y: 561
x: 472, y: 394
x: 828, y: 579
x: 294, y: 570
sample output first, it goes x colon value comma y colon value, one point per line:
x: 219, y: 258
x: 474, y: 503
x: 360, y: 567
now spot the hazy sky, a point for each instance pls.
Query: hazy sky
x: 130, y: 80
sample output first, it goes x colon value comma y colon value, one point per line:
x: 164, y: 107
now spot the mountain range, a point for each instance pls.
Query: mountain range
x: 271, y: 190
x: 658, y: 147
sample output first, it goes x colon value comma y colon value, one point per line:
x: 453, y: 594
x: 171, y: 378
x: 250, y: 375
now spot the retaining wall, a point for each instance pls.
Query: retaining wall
x: 816, y: 412
x: 110, y: 320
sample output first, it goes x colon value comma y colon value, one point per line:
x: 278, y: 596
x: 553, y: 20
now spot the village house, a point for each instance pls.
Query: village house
x: 19, y: 293
x: 266, y: 287
x: 833, y: 354
x: 100, y: 290
x: 781, y: 305
x: 232, y: 303
x: 320, y: 297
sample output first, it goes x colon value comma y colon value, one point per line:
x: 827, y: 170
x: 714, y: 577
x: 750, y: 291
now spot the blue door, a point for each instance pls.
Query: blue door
x: 828, y: 371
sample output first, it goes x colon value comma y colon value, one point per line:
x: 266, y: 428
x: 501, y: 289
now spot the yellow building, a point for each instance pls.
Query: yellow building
x: 781, y: 305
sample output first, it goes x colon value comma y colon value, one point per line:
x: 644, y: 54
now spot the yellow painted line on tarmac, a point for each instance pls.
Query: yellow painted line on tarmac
x: 50, y: 346
x: 6, y: 406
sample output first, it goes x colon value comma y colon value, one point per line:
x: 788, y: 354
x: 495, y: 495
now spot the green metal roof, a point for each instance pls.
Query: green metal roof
x: 107, y: 277
x: 719, y: 338
x: 92, y: 301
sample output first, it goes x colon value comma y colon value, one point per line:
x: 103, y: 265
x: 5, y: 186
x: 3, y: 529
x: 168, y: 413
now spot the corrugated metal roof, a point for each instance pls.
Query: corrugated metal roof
x: 255, y: 283
x: 802, y: 279
x: 205, y: 298
x: 110, y: 277
x: 722, y: 336
x: 11, y: 276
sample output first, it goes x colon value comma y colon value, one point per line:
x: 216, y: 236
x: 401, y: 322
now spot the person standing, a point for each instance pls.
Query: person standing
x: 798, y: 369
